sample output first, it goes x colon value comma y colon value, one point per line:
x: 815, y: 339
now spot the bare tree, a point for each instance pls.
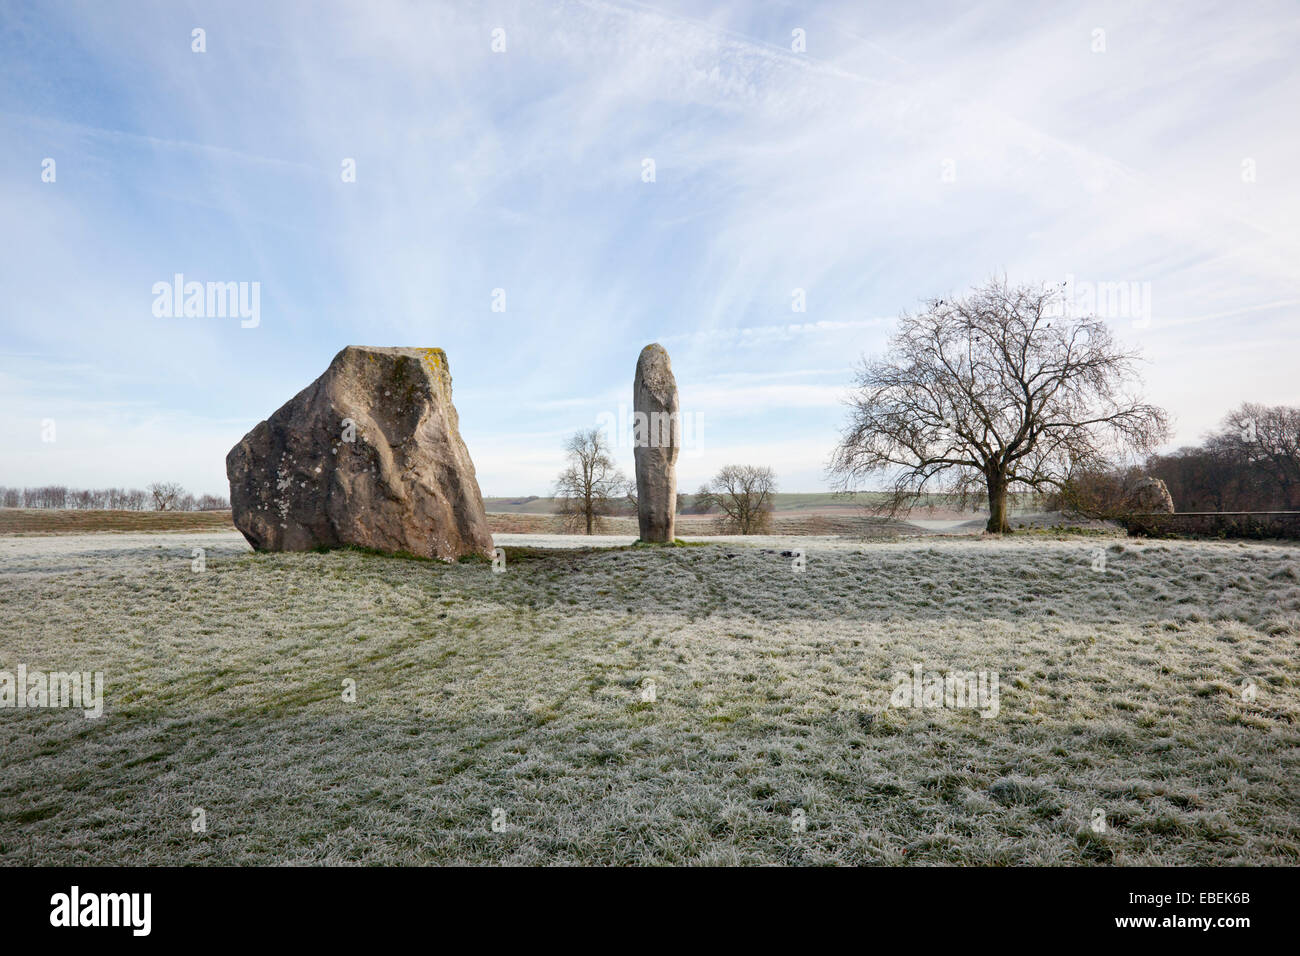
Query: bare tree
x: 991, y: 393
x: 591, y: 486
x: 165, y: 494
x: 51, y: 496
x: 1268, y: 438
x: 744, y: 495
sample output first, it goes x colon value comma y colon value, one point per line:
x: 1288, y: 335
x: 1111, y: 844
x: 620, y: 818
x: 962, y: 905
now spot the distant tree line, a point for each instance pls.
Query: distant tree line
x: 160, y: 496
x: 1250, y: 463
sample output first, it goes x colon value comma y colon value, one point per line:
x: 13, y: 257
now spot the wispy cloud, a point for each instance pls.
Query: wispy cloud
x: 897, y: 158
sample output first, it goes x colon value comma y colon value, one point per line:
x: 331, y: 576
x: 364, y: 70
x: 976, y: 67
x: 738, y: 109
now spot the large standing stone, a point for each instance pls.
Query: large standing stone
x: 369, y: 454
x: 1150, y: 496
x: 657, y: 435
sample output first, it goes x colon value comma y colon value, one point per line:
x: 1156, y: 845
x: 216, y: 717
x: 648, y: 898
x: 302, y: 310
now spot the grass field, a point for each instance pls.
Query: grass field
x: 524, y: 693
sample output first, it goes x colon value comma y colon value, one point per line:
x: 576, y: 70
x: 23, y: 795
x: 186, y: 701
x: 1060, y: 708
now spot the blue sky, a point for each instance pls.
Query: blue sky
x: 911, y: 150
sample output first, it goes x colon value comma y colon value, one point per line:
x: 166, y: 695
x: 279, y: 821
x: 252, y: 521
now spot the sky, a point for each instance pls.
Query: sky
x: 870, y: 156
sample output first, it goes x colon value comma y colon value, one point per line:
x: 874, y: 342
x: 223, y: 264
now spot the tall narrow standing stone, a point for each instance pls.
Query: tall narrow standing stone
x: 657, y: 435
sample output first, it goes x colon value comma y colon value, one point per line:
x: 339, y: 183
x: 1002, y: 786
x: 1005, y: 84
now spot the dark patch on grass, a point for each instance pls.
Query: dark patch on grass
x: 35, y: 814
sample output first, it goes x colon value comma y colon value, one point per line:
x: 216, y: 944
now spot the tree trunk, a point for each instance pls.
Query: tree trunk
x: 589, y: 511
x: 997, y: 485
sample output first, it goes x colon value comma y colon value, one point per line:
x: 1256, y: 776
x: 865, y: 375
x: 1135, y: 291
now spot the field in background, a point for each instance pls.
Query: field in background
x: 524, y: 693
x: 52, y: 521
x: 782, y: 501
x: 853, y: 524
x: 795, y: 514
x: 55, y: 520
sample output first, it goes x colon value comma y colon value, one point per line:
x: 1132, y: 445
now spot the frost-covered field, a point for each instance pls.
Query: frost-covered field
x: 769, y: 739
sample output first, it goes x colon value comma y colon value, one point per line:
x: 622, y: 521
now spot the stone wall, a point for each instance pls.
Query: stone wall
x: 1216, y: 524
